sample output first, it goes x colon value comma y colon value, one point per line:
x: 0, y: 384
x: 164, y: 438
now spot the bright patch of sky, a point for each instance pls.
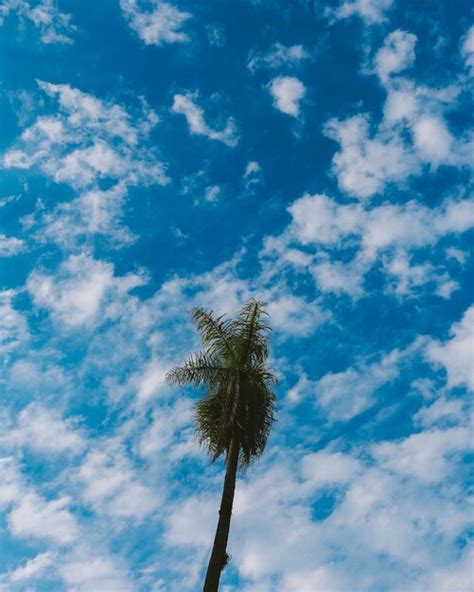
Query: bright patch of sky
x: 160, y: 155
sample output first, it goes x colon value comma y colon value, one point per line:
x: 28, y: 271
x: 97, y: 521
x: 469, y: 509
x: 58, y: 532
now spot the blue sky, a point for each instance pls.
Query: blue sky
x: 160, y: 155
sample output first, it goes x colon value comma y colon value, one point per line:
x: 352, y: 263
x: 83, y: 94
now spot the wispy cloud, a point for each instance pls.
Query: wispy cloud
x: 186, y: 105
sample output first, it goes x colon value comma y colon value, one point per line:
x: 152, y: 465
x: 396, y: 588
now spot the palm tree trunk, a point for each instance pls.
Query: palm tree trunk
x: 218, y: 557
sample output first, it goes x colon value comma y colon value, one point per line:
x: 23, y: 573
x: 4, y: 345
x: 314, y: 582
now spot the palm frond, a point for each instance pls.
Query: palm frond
x: 253, y: 329
x: 198, y: 370
x: 216, y: 333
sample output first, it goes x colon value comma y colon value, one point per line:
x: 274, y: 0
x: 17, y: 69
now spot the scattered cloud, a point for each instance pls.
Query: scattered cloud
x: 54, y: 26
x: 370, y: 11
x: 412, y: 134
x: 83, y: 571
x: 397, y: 54
x: 33, y: 428
x: 252, y: 174
x: 367, y: 162
x: 467, y: 48
x: 88, y: 140
x: 159, y: 25
x: 51, y: 520
x: 277, y: 56
x: 343, y: 395
x: 10, y: 246
x: 13, y: 326
x: 110, y: 485
x: 81, y: 291
x: 186, y: 105
x: 423, y: 456
x: 73, y: 223
x: 33, y: 567
x: 456, y: 355
x: 287, y: 93
x: 385, y: 232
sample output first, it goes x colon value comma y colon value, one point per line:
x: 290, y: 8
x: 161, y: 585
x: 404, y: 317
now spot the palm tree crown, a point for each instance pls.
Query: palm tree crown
x: 233, y: 369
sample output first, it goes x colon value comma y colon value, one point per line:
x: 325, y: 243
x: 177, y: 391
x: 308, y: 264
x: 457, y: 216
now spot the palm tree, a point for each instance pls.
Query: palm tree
x: 237, y: 410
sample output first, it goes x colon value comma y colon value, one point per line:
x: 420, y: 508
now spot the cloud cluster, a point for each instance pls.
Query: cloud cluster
x: 159, y: 25
x: 322, y: 230
x: 80, y: 291
x: 54, y: 26
x: 370, y: 11
x: 87, y: 140
x: 413, y: 133
x: 457, y: 353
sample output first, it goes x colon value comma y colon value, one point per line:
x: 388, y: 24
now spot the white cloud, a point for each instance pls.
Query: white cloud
x: 321, y: 469
x: 370, y: 11
x: 186, y: 105
x: 252, y: 174
x: 397, y: 54
x: 109, y: 484
x: 442, y: 411
x: 379, y: 531
x: 293, y: 315
x: 160, y: 25
x: 171, y: 435
x: 367, y: 162
x: 386, y: 233
x: 340, y: 278
x: 34, y: 517
x: 152, y: 380
x: 413, y: 131
x: 192, y: 521
x: 94, y: 212
x: 89, y: 139
x: 11, y: 484
x: 13, y: 326
x: 212, y: 193
x: 321, y: 578
x: 32, y: 374
x: 343, y: 395
x: 457, y: 354
x: 433, y: 139
x: 197, y: 187
x: 454, y: 576
x: 33, y: 567
x: 10, y: 246
x: 277, y: 56
x: 252, y: 168
x: 318, y: 219
x: 418, y: 112
x: 33, y: 429
x: 407, y: 276
x: 81, y: 288
x: 467, y: 48
x: 87, y: 571
x: 54, y: 26
x: 287, y: 93
x: 424, y: 456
